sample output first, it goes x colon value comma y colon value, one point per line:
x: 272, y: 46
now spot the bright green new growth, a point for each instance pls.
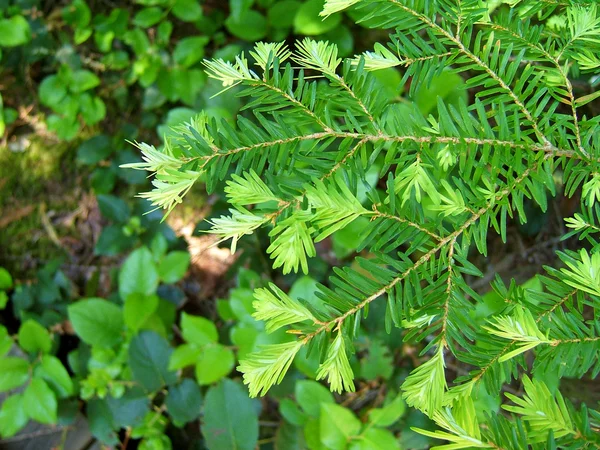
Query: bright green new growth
x: 322, y: 125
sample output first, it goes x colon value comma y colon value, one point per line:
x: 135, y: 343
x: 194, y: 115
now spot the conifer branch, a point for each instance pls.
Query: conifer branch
x: 555, y: 62
x: 470, y: 55
x: 447, y: 293
x: 340, y: 80
x: 443, y: 182
x: 293, y: 101
x: 550, y: 150
x: 379, y: 214
x: 421, y: 261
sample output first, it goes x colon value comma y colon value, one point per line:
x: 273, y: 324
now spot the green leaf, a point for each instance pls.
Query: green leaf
x: 184, y: 355
x: 230, y: 418
x: 308, y: 21
x: 13, y: 372
x: 187, y: 10
x: 34, y: 338
x: 198, y: 330
x: 55, y: 374
x: 83, y: 80
x: 343, y: 38
x: 310, y: 395
x: 378, y: 363
x: 13, y: 416
x: 40, y: 402
x: 173, y: 267
x: 112, y: 240
x: 130, y: 409
x: 237, y: 7
x: 77, y: 14
x: 389, y: 414
x: 184, y: 402
x: 190, y: 50
x: 149, y: 355
x: 65, y: 127
x: 448, y: 86
x: 81, y: 35
x: 214, y: 363
x: 312, y: 434
x: 281, y: 14
x: 138, y: 40
x: 6, y: 281
x: 376, y: 439
x: 151, y: 2
x: 345, y: 240
x: 243, y: 337
x: 290, y: 437
x: 292, y: 413
x: 14, y: 31
x: 94, y: 150
x: 250, y: 26
x: 240, y: 301
x: 159, y: 246
x: 148, y: 17
x: 175, y: 116
x: 113, y: 208
x: 337, y: 425
x: 138, y: 308
x: 101, y: 421
x: 52, y: 91
x: 6, y: 341
x: 390, y: 80
x: 138, y: 274
x: 308, y: 365
x: 97, y: 321
x: 92, y: 108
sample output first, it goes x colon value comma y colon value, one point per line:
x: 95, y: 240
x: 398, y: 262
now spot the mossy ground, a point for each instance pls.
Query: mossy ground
x: 39, y: 179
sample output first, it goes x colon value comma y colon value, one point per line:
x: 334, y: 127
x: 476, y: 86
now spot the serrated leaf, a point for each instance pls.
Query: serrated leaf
x: 13, y: 372
x: 40, y: 402
x: 184, y: 355
x: 97, y: 321
x: 138, y: 308
x: 13, y: 416
x: 198, y: 330
x: 230, y: 418
x: 310, y: 395
x: 51, y: 369
x: 337, y: 425
x: 173, y: 267
x: 389, y: 414
x: 184, y: 402
x: 214, y: 362
x: 34, y: 338
x: 138, y: 274
x: 149, y: 355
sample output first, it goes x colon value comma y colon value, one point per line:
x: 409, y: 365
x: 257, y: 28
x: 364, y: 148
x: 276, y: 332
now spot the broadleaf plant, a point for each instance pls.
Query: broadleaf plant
x: 298, y: 167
